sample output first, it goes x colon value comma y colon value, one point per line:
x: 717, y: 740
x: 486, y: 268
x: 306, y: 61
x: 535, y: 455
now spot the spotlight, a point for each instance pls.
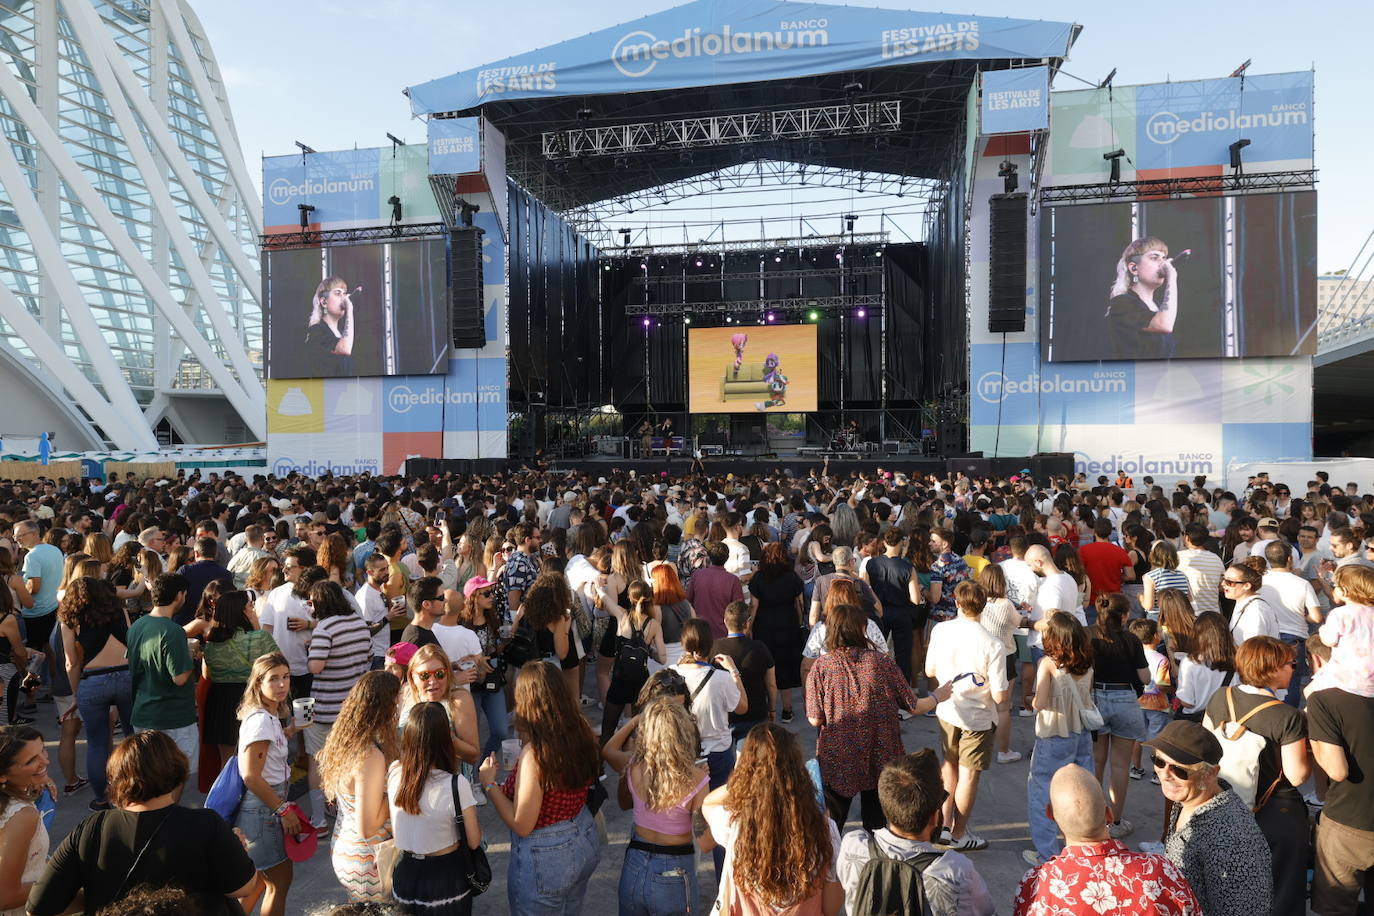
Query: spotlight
x: 1007, y: 172
x: 687, y: 319
x: 1235, y: 149
x: 861, y: 313
x: 303, y: 148
x: 727, y: 319
x: 646, y: 322
x: 605, y: 266
x: 1114, y: 157
x: 849, y: 219
x: 306, y: 210
x: 395, y: 207
x: 465, y: 211
x: 772, y: 317
x: 698, y: 261
x: 584, y: 114
x: 625, y: 238
x: 813, y: 315
x: 777, y: 259
x: 853, y: 89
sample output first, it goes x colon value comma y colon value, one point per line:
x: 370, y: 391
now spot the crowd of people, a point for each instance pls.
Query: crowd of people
x: 364, y: 662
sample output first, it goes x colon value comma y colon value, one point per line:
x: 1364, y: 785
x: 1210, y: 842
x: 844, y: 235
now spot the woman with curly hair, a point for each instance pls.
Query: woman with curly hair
x: 353, y: 767
x: 780, y: 847
x: 336, y: 559
x: 547, y: 613
x: 554, y: 843
x: 123, y: 572
x: 666, y: 787
x: 95, y: 627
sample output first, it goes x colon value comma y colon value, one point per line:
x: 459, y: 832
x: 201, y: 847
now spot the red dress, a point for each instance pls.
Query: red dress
x: 854, y: 693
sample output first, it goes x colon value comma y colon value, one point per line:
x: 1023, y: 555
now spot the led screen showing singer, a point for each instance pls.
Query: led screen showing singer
x: 1197, y: 278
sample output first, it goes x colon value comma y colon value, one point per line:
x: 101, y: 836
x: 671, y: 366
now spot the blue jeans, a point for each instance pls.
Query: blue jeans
x: 1299, y: 644
x: 549, y: 869
x: 1121, y: 713
x: 493, y: 706
x: 719, y: 766
x: 1047, y: 757
x: 652, y: 884
x: 94, y: 697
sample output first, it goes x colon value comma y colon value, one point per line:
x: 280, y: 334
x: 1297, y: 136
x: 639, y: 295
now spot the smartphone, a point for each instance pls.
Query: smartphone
x: 440, y: 515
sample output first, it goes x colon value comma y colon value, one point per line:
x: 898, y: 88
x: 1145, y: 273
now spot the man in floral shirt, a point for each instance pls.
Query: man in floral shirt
x: 1096, y: 875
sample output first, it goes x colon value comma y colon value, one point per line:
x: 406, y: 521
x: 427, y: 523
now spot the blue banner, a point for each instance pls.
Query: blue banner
x: 342, y: 186
x: 1011, y: 387
x: 455, y: 146
x: 1015, y: 101
x: 714, y: 42
x: 1181, y: 125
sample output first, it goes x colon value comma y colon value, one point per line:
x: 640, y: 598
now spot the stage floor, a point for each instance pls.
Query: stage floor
x: 793, y: 465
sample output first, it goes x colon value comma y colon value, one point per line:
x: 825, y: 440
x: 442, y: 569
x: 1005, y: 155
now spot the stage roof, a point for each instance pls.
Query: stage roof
x: 713, y: 58
x: 715, y: 42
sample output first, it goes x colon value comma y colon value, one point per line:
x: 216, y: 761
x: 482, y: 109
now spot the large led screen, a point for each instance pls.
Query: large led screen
x: 754, y: 369
x: 1171, y: 279
x: 357, y: 310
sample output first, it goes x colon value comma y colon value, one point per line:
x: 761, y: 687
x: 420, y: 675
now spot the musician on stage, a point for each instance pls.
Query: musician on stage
x: 646, y: 438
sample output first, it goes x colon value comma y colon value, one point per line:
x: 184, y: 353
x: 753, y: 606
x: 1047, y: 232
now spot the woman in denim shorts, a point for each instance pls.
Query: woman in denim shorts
x: 1119, y: 671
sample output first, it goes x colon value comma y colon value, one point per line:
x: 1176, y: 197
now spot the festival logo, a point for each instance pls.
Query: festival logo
x: 637, y: 53
x: 1165, y: 127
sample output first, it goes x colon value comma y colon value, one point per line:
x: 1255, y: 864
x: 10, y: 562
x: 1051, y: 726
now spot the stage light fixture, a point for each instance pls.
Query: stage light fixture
x: 306, y: 210
x: 849, y: 220
x: 698, y: 261
x: 647, y: 322
x: 1114, y: 157
x: 584, y: 114
x: 777, y: 259
x: 727, y: 319
x: 395, y: 207
x: 303, y: 148
x: 1235, y: 149
x: 625, y: 238
x: 772, y: 317
x: 686, y: 319
x: 465, y: 211
x: 813, y: 315
x: 1240, y: 71
x: 1007, y: 172
x: 861, y: 313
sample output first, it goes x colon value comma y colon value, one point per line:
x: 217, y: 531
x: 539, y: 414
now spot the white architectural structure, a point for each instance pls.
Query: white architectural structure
x: 129, y: 283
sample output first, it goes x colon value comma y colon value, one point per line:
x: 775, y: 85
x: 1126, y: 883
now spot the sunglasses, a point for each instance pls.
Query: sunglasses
x: 1225, y: 582
x: 440, y: 674
x: 1178, y: 771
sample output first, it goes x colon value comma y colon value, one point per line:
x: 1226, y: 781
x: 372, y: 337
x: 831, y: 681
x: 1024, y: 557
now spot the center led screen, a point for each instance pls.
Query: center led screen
x: 754, y: 369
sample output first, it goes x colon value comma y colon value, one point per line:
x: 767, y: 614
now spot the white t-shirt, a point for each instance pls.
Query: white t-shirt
x: 373, y: 608
x: 1022, y: 582
x: 457, y: 642
x: 1056, y: 592
x: 1253, y: 616
x: 961, y: 646
x: 724, y: 831
x: 433, y: 828
x: 713, y: 704
x: 294, y: 644
x: 261, y: 725
x: 815, y: 643
x: 1295, y: 596
x: 1204, y: 570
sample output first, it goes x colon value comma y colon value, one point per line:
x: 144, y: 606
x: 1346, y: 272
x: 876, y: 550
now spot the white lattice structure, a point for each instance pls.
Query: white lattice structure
x: 129, y: 283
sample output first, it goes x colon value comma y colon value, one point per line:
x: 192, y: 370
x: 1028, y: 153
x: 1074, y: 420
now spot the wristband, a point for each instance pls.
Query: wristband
x: 281, y: 809
x: 488, y: 786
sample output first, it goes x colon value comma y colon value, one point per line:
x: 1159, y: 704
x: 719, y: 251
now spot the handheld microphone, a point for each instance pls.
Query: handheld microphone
x: 1176, y: 260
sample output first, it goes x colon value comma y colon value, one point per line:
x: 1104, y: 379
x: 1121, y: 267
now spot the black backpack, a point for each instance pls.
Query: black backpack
x: 892, y: 887
x: 632, y: 661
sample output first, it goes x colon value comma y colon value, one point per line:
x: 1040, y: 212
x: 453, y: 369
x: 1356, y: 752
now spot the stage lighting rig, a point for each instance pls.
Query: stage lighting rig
x: 1240, y: 71
x: 306, y: 210
x: 395, y: 208
x: 1106, y: 83
x: 1114, y: 157
x: 1235, y: 149
x: 625, y: 238
x: 849, y: 220
x: 305, y: 149
x: 464, y: 211
x: 395, y: 142
x: 1007, y: 172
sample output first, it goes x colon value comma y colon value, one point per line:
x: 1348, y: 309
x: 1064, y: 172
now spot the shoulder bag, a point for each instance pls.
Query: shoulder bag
x: 475, y: 866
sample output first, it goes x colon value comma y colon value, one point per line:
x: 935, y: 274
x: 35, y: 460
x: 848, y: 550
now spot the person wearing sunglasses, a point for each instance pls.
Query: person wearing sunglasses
x: 1253, y: 615
x: 1212, y: 835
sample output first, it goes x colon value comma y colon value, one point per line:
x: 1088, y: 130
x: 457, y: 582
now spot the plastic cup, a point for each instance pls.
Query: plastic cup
x: 303, y: 711
x: 510, y: 753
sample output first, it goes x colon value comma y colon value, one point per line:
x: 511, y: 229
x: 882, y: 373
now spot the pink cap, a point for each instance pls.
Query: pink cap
x: 301, y: 846
x: 476, y: 583
x: 401, y: 652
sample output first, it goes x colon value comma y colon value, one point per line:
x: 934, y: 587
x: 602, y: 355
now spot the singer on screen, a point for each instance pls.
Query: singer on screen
x: 1144, y: 303
x: 329, y: 334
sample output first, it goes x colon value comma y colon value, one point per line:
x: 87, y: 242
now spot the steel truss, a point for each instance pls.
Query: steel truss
x: 1179, y: 187
x: 724, y: 130
x: 312, y: 238
x: 852, y: 240
x: 830, y: 274
x: 755, y: 307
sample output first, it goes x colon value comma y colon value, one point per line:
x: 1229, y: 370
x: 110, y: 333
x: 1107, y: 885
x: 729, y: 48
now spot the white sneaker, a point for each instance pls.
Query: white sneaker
x: 1008, y: 756
x: 1026, y: 714
x: 903, y: 714
x: 1121, y: 828
x: 1153, y: 848
x: 1030, y: 857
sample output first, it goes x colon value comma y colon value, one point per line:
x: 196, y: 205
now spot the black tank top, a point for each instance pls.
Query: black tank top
x: 93, y: 639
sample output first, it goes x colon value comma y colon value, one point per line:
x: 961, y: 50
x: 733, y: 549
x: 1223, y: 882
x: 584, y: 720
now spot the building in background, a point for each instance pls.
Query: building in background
x: 129, y: 278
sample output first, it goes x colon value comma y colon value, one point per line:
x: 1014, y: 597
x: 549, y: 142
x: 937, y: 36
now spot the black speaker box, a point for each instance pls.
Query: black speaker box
x: 970, y: 467
x: 1007, y: 263
x: 467, y: 317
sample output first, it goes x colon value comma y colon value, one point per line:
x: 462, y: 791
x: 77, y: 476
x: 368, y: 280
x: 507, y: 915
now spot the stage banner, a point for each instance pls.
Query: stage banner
x: 347, y: 188
x: 316, y: 426
x: 455, y: 146
x: 709, y: 43
x: 1015, y: 101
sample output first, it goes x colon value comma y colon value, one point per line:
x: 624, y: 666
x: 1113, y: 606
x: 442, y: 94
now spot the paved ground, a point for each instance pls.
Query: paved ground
x: 999, y: 816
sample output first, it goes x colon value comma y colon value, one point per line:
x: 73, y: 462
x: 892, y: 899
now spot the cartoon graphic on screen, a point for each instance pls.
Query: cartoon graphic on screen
x: 776, y: 381
x: 738, y: 341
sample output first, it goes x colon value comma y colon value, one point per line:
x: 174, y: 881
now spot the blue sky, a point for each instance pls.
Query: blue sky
x: 330, y: 72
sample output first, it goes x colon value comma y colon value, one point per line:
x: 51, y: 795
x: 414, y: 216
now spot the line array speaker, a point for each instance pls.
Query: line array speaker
x: 1007, y: 263
x: 467, y: 317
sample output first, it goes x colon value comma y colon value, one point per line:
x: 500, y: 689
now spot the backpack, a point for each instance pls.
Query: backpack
x: 892, y: 887
x: 1240, y: 752
x: 226, y: 795
x: 632, y: 661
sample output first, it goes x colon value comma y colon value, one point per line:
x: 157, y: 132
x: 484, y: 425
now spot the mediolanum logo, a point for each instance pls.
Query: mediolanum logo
x: 282, y: 191
x: 402, y: 398
x: 637, y: 53
x: 1164, y: 127
x: 995, y: 387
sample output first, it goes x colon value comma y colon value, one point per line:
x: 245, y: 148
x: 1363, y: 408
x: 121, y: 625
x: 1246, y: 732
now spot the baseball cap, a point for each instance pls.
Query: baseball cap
x: 401, y: 653
x: 301, y: 846
x: 1267, y: 523
x: 476, y: 583
x: 1187, y: 743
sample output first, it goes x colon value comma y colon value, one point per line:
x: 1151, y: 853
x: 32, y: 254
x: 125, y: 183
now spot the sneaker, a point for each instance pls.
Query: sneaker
x: 1026, y: 714
x: 903, y: 714
x: 1154, y: 778
x: 1137, y: 773
x: 786, y: 716
x: 72, y: 788
x: 1152, y: 848
x: 1008, y: 756
x: 590, y: 701
x: 943, y: 838
x: 1030, y: 857
x: 971, y: 842
x: 1121, y: 828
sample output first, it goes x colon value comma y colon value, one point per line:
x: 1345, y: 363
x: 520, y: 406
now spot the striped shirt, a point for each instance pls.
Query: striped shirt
x: 1169, y: 578
x: 345, y: 647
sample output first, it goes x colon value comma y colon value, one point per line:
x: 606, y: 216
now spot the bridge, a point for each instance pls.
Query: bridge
x: 1343, y: 376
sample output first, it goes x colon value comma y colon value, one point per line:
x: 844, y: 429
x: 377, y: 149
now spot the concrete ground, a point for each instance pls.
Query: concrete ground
x: 999, y: 816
